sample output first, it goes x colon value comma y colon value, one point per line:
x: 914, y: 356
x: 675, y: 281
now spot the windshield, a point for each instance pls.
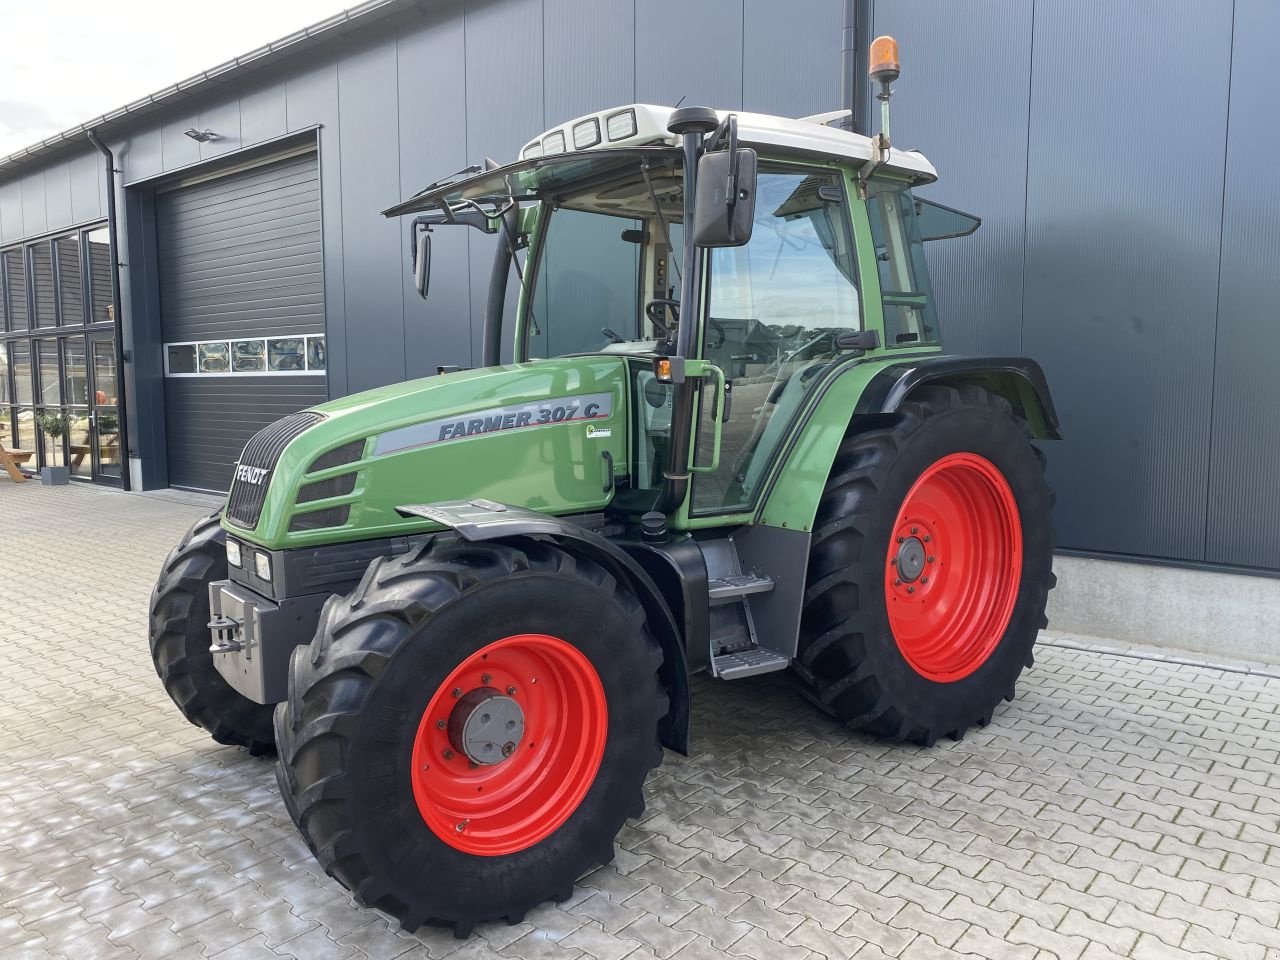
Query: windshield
x: 601, y: 257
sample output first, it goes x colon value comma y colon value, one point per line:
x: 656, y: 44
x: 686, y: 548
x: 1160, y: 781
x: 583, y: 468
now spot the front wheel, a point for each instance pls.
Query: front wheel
x: 929, y: 570
x: 469, y: 730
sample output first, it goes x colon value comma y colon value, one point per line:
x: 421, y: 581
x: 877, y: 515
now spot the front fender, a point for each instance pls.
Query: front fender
x: 480, y: 520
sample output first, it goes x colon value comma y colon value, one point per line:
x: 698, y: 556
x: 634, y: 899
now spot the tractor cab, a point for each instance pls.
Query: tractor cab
x: 591, y: 227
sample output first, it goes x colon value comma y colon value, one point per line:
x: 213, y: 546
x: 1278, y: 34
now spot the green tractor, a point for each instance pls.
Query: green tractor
x: 465, y: 609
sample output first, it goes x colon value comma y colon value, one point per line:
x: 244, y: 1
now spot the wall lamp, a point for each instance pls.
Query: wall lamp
x: 201, y: 136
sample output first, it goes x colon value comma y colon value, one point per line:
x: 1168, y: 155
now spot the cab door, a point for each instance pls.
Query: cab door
x: 776, y: 307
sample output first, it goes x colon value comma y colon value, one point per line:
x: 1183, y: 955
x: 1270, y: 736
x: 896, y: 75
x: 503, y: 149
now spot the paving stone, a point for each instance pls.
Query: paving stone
x: 1118, y: 807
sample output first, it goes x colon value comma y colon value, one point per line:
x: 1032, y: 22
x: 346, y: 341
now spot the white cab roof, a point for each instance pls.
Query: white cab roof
x: 809, y: 135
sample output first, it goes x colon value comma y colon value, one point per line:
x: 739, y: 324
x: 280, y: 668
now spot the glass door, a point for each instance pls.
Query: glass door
x: 104, y: 412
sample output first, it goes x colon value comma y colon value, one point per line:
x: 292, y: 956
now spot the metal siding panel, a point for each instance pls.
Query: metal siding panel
x: 241, y: 256
x: 791, y: 57
x: 1243, y: 502
x: 504, y: 94
x: 433, y: 143
x: 34, y: 216
x: 1121, y: 270
x: 691, y: 51
x: 176, y: 148
x: 312, y: 98
x: 208, y: 422
x: 84, y: 173
x: 11, y: 212
x: 141, y: 156
x: 590, y: 57
x: 57, y: 196
x: 977, y: 280
x: 369, y: 155
x: 224, y: 120
x: 263, y: 114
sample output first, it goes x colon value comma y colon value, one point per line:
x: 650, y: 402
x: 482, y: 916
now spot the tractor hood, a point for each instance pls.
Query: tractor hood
x: 531, y: 434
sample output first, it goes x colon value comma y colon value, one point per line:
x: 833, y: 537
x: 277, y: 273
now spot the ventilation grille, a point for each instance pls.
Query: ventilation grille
x: 263, y: 450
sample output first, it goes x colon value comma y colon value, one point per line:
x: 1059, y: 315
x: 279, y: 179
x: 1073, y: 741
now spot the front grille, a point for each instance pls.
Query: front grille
x: 319, y: 519
x: 338, y: 486
x: 244, y: 505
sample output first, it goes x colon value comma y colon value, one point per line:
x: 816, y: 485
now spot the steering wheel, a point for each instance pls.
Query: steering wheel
x: 718, y: 329
x: 655, y: 311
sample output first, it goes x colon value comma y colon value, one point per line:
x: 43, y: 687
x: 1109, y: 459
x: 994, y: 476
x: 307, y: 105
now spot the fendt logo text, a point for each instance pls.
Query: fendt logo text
x: 254, y: 475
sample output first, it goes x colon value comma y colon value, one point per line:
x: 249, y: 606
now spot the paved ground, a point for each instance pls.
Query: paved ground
x: 1118, y: 807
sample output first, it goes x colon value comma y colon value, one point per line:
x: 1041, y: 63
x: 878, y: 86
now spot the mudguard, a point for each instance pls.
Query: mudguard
x: 479, y: 520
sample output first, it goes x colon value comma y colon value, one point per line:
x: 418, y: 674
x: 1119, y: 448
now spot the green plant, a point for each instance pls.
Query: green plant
x: 108, y: 423
x: 55, y: 424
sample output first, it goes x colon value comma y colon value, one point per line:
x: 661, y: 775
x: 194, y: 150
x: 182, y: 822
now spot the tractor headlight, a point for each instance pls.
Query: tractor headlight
x: 233, y: 553
x: 262, y: 565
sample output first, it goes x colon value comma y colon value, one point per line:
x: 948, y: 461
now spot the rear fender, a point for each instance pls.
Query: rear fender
x: 481, y: 520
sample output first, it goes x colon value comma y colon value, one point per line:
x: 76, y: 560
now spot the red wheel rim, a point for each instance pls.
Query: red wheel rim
x: 490, y: 809
x: 954, y: 567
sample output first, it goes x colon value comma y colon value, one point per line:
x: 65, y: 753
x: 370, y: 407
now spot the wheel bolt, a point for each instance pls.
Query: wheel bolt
x: 927, y: 538
x: 463, y: 825
x: 508, y: 748
x: 439, y: 724
x: 457, y: 692
x: 511, y: 691
x: 897, y: 582
x: 893, y: 562
x: 924, y: 579
x: 931, y: 558
x: 486, y: 678
x: 448, y: 754
x: 471, y: 764
x: 914, y: 531
x: 911, y: 589
x: 902, y: 539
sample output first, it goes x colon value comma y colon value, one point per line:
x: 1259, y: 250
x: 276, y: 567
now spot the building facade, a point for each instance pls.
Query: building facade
x: 1119, y: 156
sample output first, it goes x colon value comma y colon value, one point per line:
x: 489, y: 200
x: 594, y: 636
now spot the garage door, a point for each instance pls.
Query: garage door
x: 241, y: 311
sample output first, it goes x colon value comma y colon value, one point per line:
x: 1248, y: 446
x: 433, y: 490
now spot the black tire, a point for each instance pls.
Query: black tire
x: 179, y: 635
x: 358, y: 693
x: 849, y: 661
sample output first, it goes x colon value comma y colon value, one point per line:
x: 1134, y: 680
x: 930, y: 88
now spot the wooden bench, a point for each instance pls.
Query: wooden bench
x: 9, y: 460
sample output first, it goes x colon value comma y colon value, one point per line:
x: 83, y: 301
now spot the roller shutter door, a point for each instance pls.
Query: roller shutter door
x: 242, y: 311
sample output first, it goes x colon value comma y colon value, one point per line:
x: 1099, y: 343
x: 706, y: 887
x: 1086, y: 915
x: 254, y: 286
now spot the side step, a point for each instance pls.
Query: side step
x: 733, y: 586
x: 748, y: 663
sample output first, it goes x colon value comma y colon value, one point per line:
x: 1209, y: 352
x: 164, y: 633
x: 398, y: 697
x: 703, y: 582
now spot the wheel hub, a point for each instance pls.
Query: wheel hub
x: 486, y: 726
x: 911, y: 558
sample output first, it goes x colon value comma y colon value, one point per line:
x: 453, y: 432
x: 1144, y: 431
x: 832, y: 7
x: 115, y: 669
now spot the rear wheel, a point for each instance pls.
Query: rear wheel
x: 179, y: 636
x: 929, y: 570
x: 469, y: 730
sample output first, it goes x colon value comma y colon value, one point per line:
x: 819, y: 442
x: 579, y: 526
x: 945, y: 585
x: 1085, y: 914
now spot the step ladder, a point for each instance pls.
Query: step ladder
x: 736, y: 651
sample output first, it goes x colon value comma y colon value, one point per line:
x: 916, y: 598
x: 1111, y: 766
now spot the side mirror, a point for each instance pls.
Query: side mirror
x: 725, y: 208
x: 422, y: 261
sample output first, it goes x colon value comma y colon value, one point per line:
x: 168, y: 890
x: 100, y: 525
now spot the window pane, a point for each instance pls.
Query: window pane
x: 80, y: 442
x: 213, y: 358
x: 904, y: 277
x: 248, y: 356
x: 16, y: 276
x: 42, y: 284
x: 47, y: 356
x: 776, y: 308
x: 108, y: 440
x: 99, y: 274
x: 286, y: 354
x: 182, y: 358
x: 315, y: 353
x: 4, y: 380
x: 70, y: 287
x: 25, y: 436
x: 22, y: 386
x: 588, y: 278
x: 76, y: 386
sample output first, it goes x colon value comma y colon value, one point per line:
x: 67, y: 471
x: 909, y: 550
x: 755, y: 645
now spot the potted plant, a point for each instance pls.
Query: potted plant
x: 55, y: 424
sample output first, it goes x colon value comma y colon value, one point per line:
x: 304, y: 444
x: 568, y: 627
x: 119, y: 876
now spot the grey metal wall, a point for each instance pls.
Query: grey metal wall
x: 1117, y: 153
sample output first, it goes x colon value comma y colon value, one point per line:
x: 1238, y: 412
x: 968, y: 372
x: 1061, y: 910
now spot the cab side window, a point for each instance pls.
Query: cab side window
x: 904, y: 277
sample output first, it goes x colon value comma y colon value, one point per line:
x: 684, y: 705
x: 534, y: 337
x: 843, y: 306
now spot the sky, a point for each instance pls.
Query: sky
x: 74, y: 60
